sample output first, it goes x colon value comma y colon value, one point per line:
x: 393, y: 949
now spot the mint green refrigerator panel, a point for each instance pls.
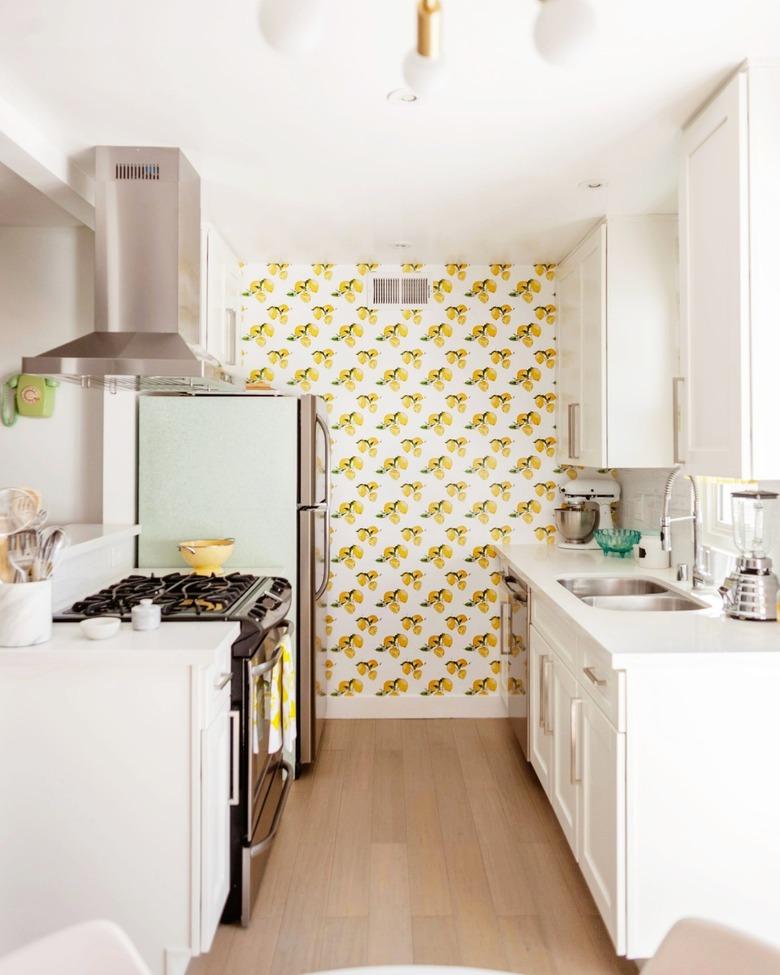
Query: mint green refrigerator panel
x: 219, y: 467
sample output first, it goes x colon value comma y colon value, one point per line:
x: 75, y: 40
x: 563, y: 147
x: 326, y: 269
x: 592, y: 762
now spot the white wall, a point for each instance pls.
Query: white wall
x: 46, y: 298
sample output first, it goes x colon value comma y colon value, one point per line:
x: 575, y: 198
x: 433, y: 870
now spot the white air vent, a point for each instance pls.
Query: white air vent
x: 137, y: 171
x: 413, y: 292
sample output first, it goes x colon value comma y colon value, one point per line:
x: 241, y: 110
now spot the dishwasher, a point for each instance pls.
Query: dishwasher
x: 515, y: 635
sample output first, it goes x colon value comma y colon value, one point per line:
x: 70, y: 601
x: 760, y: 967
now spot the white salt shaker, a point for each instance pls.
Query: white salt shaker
x: 145, y: 615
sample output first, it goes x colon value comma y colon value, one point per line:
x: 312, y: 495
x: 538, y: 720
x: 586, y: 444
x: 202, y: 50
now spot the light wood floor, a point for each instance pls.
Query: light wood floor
x: 418, y: 841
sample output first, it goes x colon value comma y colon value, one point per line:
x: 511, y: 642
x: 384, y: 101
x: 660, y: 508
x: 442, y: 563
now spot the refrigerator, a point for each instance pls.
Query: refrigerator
x: 256, y: 468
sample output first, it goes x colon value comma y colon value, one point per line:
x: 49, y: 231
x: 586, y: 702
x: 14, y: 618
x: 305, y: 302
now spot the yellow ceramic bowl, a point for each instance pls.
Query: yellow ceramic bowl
x: 207, y: 555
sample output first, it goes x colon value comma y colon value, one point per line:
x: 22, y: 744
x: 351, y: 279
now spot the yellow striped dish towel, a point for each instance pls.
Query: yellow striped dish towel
x: 283, y: 725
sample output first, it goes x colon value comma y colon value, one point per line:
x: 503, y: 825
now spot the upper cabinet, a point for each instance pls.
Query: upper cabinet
x: 220, y: 297
x: 730, y: 286
x: 617, y: 355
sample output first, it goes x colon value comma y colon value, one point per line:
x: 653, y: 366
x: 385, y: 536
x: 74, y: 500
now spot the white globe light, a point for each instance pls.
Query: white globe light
x: 423, y: 75
x: 561, y: 28
x: 292, y: 26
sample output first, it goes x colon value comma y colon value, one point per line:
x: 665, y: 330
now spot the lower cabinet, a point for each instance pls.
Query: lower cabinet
x: 215, y: 823
x: 579, y: 757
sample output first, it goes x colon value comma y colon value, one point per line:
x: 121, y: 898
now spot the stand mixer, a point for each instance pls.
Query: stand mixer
x: 587, y: 506
x: 750, y: 592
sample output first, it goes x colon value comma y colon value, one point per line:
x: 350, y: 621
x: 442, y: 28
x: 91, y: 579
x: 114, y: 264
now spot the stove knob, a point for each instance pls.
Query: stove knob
x: 278, y: 585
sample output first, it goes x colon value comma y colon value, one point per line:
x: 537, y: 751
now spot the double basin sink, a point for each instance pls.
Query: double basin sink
x: 630, y: 595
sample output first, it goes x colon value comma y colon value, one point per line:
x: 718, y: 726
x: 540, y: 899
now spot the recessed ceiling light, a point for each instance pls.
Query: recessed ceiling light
x: 402, y: 96
x: 402, y: 244
x: 593, y: 184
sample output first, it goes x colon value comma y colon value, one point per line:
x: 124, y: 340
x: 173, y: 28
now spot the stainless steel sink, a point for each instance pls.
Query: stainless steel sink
x: 630, y: 595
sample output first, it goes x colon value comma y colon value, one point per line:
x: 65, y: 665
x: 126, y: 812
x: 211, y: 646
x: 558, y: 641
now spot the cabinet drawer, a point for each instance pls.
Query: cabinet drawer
x: 214, y: 688
x: 605, y: 685
x: 555, y: 628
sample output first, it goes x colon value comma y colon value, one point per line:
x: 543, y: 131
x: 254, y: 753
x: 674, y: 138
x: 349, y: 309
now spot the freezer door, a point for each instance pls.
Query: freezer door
x: 314, y: 462
x: 313, y: 575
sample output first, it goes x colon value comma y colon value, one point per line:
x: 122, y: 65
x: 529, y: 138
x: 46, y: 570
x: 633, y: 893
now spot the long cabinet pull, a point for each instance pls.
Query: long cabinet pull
x: 574, y: 755
x: 676, y: 382
x: 263, y: 845
x: 235, y: 753
x: 574, y: 440
x: 541, y: 692
x: 548, y: 728
x: 506, y: 629
x: 590, y: 673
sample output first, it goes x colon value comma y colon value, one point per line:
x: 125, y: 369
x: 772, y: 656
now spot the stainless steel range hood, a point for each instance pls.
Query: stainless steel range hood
x: 147, y: 280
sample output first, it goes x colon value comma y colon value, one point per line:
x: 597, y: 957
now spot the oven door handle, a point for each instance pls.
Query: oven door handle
x: 235, y: 756
x: 273, y: 660
x: 263, y: 845
x: 518, y: 590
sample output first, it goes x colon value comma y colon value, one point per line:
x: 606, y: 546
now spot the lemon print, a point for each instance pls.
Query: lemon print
x: 527, y: 466
x: 304, y: 378
x: 438, y: 555
x: 349, y: 422
x: 368, y: 624
x: 482, y: 599
x: 482, y: 290
x: 413, y: 401
x: 526, y: 422
x: 393, y: 599
x: 368, y: 489
x: 441, y: 288
x: 526, y: 378
x: 457, y: 489
x: 527, y: 290
x: 349, y: 555
x: 438, y: 644
x: 279, y: 270
x: 412, y: 357
x: 482, y: 334
x: 482, y: 511
x: 546, y: 489
x: 323, y: 357
x: 394, y: 688
x: 458, y: 668
x: 304, y: 290
x: 349, y: 467
x: 393, y: 422
x: 438, y: 466
x: 437, y: 688
x: 412, y: 578
x: 413, y: 446
x: 280, y: 313
x: 438, y: 599
x: 259, y: 289
x: 412, y: 315
x: 366, y: 268
x: 546, y: 401
x: 368, y: 534
x: 413, y: 489
x: 368, y: 668
x: 349, y: 510
x: 394, y: 644
x: 393, y: 378
x: 438, y: 378
x: 368, y: 445
x: 545, y: 271
x: 458, y: 578
x: 500, y: 533
x: 501, y: 489
x: 526, y: 334
x: 568, y: 470
x: 393, y: 555
x: 457, y: 623
x: 348, y: 644
x: 526, y: 510
x: 501, y: 271
x: 259, y: 334
x: 413, y: 668
x: 457, y: 534
x: 482, y: 555
x: 348, y: 688
x: 368, y: 401
x: 456, y: 445
x: 546, y: 357
x: 437, y: 422
x: 304, y: 334
x: 349, y: 378
x: 393, y: 511
x: 413, y: 534
x: 457, y: 313
x: 501, y: 357
x: 458, y: 357
x: 457, y: 401
x: 483, y: 644
x: 457, y: 271
x: 368, y: 579
x: 412, y: 623
x: 483, y: 686
x: 501, y: 313
x: 264, y: 375
x: 546, y: 313
x: 394, y: 466
x: 546, y: 445
x: 438, y: 510
x: 323, y: 270
x: 545, y: 534
x: 393, y: 334
x: 502, y: 445
x: 349, y: 600
x: 482, y: 422
x: 323, y: 313
x: 366, y: 314
x: 349, y: 290
x: 482, y: 466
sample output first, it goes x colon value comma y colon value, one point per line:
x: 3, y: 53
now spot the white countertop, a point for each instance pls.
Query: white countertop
x: 636, y: 636
x: 171, y: 643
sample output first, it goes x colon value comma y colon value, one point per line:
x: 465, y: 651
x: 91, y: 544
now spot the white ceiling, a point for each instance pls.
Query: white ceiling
x: 305, y: 159
x: 21, y: 205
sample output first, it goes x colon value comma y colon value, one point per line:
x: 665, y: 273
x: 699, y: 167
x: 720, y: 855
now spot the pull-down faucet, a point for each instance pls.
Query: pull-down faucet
x: 701, y: 575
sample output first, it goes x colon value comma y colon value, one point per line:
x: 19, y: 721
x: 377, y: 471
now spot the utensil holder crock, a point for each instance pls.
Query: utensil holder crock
x: 25, y: 613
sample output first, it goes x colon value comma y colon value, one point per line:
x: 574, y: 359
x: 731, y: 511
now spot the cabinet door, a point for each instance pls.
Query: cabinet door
x: 215, y: 824
x: 601, y: 760
x: 582, y: 352
x: 569, y: 358
x: 540, y: 661
x: 565, y: 701
x: 714, y: 287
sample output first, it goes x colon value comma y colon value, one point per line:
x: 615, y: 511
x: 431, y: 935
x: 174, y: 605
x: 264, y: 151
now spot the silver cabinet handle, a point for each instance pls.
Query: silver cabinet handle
x: 517, y: 588
x: 326, y: 556
x: 574, y: 757
x: 222, y: 681
x: 590, y: 673
x: 235, y: 752
x: 273, y: 660
x: 569, y: 412
x: 263, y: 845
x: 506, y: 629
x: 328, y: 445
x: 541, y: 691
x: 676, y: 381
x: 548, y: 727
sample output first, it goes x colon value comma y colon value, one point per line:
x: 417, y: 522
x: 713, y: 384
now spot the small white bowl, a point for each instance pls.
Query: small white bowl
x: 100, y: 627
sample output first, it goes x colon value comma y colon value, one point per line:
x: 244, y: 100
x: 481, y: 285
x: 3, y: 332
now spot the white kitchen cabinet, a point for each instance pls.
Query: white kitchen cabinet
x: 215, y: 822
x: 729, y: 287
x: 539, y: 669
x: 600, y: 769
x: 220, y: 296
x: 565, y: 701
x: 617, y: 352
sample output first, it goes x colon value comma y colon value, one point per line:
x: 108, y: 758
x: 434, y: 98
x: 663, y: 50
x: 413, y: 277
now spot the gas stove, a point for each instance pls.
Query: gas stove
x: 261, y: 600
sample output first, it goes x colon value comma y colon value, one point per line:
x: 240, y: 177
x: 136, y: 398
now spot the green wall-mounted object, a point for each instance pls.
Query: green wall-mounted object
x: 27, y: 395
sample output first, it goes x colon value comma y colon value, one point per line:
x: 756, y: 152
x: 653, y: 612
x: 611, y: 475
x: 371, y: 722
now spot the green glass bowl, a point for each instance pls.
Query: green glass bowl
x: 617, y: 541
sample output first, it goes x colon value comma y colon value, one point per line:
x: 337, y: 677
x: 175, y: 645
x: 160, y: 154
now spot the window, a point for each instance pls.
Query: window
x: 715, y: 496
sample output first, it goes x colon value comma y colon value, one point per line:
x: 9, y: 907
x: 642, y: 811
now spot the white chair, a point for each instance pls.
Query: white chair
x: 694, y: 947
x: 93, y: 948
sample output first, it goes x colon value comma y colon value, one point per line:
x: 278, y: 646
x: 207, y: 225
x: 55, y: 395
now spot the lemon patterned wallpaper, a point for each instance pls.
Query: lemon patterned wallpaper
x: 444, y: 444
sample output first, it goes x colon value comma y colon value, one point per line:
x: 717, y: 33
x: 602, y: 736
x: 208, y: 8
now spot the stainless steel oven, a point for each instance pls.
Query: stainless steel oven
x: 261, y: 780
x: 515, y: 635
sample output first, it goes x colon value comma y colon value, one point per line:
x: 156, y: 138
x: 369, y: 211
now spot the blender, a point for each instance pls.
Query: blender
x: 750, y: 592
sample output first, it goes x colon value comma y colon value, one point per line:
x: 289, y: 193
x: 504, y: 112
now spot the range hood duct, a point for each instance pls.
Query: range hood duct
x: 147, y: 280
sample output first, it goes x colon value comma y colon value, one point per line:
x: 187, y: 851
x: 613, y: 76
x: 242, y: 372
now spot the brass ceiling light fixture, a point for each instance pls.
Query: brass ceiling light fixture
x: 424, y: 65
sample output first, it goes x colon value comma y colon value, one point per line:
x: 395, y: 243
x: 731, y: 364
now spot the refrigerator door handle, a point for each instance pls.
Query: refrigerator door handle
x: 328, y: 449
x: 326, y: 556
